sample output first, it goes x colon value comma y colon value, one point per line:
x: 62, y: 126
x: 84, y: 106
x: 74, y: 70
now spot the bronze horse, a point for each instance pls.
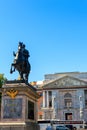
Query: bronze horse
x: 21, y: 65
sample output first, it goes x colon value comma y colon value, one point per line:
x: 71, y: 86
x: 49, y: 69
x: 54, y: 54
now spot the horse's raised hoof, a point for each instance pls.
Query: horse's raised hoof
x: 11, y: 71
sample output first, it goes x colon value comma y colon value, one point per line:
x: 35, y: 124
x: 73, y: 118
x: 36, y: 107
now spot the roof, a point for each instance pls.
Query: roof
x: 64, y: 82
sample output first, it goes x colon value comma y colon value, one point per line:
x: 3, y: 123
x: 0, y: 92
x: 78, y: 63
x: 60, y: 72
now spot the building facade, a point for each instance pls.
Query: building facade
x: 63, y: 99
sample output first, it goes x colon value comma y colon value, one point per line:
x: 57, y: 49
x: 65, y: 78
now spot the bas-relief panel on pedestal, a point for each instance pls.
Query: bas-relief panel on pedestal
x: 12, y: 108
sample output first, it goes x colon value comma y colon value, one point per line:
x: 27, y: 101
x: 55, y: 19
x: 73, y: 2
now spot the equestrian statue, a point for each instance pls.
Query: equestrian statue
x: 21, y: 63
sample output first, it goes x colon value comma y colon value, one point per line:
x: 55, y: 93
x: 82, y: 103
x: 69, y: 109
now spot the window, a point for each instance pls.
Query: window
x: 41, y: 105
x: 40, y: 116
x: 45, y: 98
x: 85, y: 103
x: 50, y: 98
x: 68, y: 103
x: 68, y: 100
x: 85, y: 93
x: 67, y: 95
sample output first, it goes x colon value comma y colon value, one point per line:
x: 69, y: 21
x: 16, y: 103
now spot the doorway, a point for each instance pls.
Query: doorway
x: 68, y: 116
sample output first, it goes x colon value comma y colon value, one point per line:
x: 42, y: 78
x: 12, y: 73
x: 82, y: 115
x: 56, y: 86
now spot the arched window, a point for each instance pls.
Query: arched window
x: 67, y: 95
x: 68, y: 100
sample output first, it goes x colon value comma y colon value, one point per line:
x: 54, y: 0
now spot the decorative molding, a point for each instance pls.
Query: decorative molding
x: 65, y: 82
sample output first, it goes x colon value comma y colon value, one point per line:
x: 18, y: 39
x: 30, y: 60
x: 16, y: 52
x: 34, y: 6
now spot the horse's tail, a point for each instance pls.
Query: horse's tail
x: 11, y: 71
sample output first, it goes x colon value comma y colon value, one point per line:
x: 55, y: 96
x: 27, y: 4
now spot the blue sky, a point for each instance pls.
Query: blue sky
x: 54, y: 32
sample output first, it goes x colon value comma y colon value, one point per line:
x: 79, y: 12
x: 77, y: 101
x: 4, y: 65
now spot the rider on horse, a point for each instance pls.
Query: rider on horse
x: 22, y: 54
x: 25, y: 54
x: 21, y: 61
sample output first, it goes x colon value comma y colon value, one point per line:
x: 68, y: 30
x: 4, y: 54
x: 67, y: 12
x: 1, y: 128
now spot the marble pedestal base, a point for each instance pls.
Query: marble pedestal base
x: 19, y: 106
x: 29, y: 126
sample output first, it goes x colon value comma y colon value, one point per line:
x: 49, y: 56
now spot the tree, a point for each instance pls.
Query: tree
x: 2, y: 80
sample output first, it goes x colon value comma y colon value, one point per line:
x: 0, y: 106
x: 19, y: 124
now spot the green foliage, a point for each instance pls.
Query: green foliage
x: 2, y: 80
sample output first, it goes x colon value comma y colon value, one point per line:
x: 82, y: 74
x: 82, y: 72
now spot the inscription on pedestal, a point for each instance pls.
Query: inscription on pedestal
x: 12, y: 108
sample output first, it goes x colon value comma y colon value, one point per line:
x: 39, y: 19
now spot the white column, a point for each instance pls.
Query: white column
x: 81, y: 107
x: 43, y: 98
x: 47, y: 99
x: 52, y: 100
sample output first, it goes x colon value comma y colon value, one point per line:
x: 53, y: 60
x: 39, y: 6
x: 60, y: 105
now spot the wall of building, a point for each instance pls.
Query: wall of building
x: 60, y: 111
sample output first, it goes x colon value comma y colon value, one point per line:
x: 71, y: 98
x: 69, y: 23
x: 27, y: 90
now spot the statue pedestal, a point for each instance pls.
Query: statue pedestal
x: 19, y: 106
